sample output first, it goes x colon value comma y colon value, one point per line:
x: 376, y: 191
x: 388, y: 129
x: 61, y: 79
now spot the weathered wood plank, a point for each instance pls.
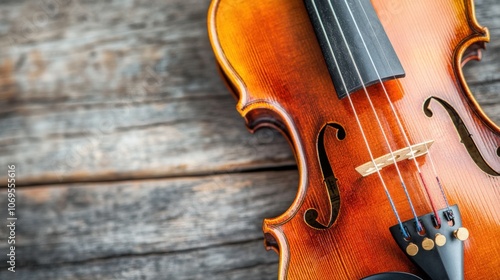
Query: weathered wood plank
x: 203, y: 135
x: 94, y: 52
x: 488, y: 70
x: 488, y: 95
x: 98, y: 90
x: 247, y: 261
x: 188, y: 224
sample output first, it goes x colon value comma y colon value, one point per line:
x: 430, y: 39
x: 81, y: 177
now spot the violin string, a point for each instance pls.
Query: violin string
x: 419, y: 228
x: 395, y: 114
x: 393, y: 206
x: 399, y: 121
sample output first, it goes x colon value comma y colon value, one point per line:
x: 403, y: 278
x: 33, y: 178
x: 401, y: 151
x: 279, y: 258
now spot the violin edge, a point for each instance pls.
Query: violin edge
x: 471, y: 49
x: 274, y: 237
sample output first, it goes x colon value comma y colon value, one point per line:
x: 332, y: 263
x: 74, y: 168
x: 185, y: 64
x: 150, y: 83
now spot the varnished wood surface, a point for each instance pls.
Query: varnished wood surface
x: 117, y: 120
x: 281, y: 80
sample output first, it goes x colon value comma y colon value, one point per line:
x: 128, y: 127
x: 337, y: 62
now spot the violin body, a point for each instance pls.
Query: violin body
x: 270, y: 58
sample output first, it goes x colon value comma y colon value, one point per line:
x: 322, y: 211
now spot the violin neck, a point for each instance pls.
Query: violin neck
x: 356, y: 49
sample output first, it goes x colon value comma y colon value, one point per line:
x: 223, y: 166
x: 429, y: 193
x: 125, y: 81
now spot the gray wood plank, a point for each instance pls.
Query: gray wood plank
x: 100, y: 90
x: 488, y: 95
x: 203, y: 135
x: 240, y: 261
x: 95, y: 52
x: 194, y: 226
x: 247, y: 260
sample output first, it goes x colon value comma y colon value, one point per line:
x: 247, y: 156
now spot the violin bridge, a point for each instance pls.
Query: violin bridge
x: 411, y: 152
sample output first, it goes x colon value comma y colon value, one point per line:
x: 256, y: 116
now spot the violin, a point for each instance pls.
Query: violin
x: 399, y: 166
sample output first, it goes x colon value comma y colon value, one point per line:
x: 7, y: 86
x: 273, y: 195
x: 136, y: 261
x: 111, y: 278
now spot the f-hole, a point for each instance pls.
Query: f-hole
x: 465, y: 136
x: 311, y: 215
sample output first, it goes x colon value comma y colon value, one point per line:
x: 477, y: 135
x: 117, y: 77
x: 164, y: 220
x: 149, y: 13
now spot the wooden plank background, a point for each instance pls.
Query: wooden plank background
x: 132, y: 162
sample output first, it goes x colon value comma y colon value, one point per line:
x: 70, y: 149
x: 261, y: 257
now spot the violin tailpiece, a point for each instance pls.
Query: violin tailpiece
x: 438, y: 250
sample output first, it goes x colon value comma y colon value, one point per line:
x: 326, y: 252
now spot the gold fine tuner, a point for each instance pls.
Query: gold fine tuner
x: 412, y: 249
x: 427, y: 244
x: 440, y: 239
x: 461, y: 234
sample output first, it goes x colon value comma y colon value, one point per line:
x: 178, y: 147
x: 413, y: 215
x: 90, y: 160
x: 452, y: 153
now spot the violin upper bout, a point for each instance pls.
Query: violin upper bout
x: 256, y: 114
x: 227, y: 72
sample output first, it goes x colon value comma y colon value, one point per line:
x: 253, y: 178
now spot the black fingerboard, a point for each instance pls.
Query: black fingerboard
x: 355, y: 46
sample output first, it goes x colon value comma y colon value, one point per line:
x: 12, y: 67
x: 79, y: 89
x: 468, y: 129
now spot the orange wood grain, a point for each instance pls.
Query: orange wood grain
x: 270, y: 56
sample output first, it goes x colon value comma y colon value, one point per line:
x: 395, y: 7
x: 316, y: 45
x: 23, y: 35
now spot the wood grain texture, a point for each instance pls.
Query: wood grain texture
x: 115, y: 90
x: 94, y: 81
x: 149, y: 229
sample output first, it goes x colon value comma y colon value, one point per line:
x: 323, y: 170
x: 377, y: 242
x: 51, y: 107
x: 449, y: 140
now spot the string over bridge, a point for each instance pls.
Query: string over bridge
x: 410, y: 152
